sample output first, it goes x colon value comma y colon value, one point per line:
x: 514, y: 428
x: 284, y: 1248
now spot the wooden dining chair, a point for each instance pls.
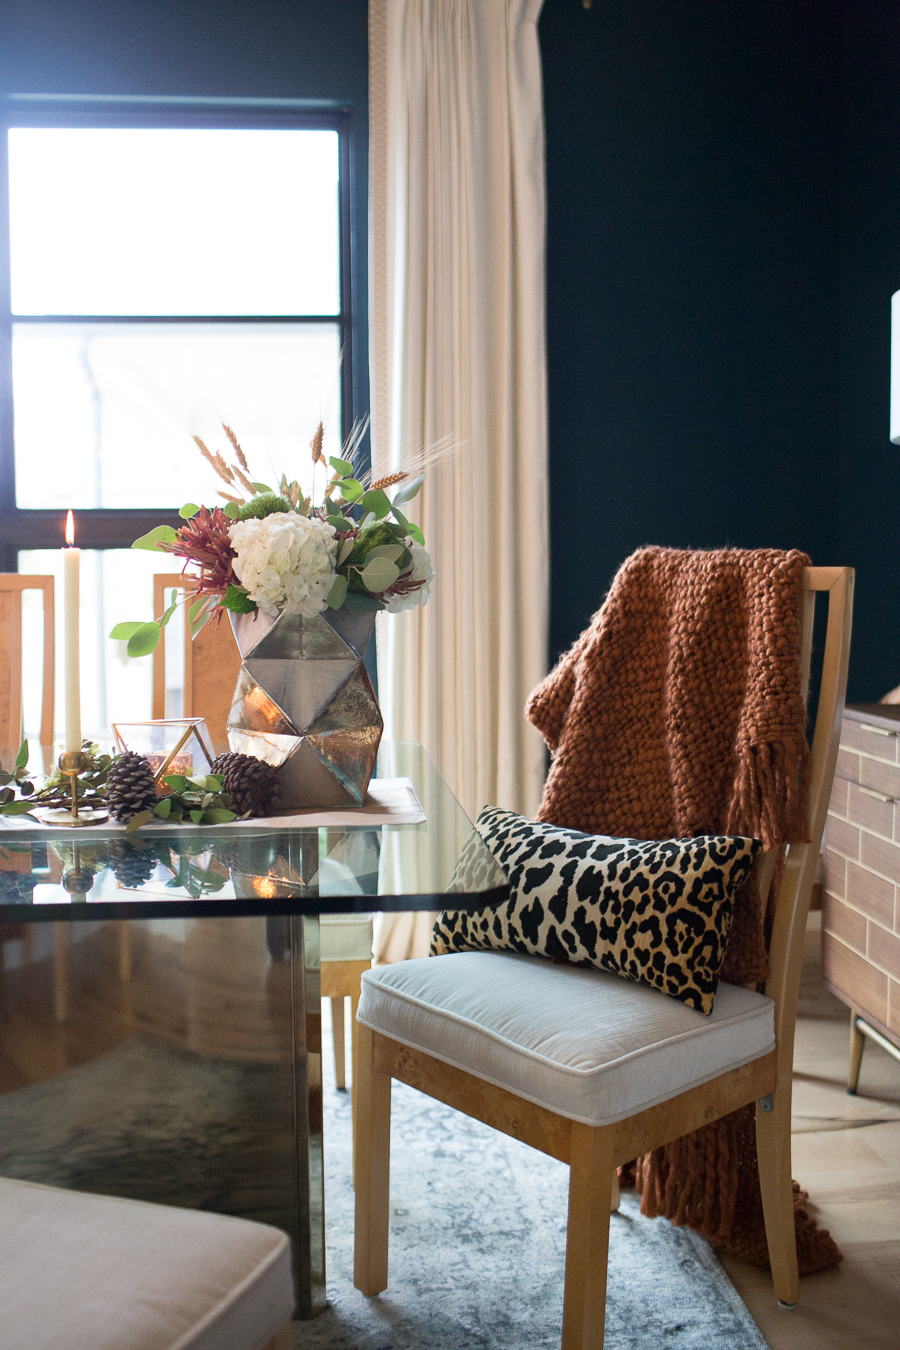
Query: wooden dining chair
x: 12, y: 585
x: 211, y: 665
x: 596, y: 1071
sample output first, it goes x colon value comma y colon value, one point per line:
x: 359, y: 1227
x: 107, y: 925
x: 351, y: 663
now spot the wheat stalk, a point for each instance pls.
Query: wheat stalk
x: 241, y: 457
x: 215, y: 460
x: 245, y: 480
x: 238, y: 501
x: 315, y: 445
x: 389, y: 480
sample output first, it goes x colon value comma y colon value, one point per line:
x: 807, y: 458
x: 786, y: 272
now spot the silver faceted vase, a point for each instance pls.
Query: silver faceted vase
x: 304, y: 703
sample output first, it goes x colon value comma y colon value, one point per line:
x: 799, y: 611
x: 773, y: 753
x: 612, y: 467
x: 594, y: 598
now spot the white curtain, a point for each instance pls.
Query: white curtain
x: 458, y: 357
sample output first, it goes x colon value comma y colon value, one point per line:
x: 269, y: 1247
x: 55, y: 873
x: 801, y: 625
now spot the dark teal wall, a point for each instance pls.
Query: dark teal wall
x: 724, y: 237
x: 868, y: 484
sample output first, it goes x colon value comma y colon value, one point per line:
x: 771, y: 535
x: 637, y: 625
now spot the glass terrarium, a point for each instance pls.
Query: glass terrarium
x: 170, y: 745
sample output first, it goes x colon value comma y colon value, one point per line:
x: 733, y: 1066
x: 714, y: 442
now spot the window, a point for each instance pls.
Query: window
x: 166, y: 272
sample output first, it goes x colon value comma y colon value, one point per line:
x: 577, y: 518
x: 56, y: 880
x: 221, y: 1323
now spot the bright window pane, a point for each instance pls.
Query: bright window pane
x: 174, y: 221
x: 104, y: 412
x: 116, y: 585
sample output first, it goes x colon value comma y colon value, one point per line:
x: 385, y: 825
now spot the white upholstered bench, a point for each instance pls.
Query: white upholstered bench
x: 90, y: 1272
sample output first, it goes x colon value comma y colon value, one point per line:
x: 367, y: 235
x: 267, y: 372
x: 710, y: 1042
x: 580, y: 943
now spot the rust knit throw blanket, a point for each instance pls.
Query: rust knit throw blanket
x: 679, y: 712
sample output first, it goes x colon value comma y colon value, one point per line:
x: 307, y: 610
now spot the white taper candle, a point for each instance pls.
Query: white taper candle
x: 71, y: 604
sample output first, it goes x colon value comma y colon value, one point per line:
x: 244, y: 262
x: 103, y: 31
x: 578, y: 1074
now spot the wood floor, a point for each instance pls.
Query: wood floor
x: 846, y: 1153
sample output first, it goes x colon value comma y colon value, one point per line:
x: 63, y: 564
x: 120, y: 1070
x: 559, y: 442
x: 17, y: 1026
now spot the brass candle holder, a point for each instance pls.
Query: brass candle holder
x: 73, y: 763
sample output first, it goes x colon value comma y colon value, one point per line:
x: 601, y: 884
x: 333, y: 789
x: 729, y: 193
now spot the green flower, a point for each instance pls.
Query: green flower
x: 264, y: 504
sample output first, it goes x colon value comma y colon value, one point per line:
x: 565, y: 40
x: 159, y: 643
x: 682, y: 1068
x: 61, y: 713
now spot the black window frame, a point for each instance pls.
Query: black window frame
x: 102, y: 528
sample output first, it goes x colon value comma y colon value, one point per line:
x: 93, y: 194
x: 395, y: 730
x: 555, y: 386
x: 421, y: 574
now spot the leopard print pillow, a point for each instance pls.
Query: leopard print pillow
x: 654, y: 911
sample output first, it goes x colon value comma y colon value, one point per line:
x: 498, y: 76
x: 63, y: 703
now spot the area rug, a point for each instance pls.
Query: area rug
x: 477, y: 1220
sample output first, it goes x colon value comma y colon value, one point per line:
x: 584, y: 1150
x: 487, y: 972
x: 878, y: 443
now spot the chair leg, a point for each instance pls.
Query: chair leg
x: 857, y: 1045
x: 354, y: 1041
x: 373, y: 1159
x: 591, y: 1172
x: 773, y: 1149
x: 337, y: 1032
x: 615, y: 1198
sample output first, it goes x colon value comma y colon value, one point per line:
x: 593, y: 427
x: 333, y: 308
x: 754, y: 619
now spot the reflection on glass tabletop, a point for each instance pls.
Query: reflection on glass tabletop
x: 257, y: 868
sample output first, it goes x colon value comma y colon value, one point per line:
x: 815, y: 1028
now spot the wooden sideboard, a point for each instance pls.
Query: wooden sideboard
x: 861, y: 905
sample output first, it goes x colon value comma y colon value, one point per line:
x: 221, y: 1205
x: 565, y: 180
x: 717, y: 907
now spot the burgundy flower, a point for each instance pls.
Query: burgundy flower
x: 205, y: 541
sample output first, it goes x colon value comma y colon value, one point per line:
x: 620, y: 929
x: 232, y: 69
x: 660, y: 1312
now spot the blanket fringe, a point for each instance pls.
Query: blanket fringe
x: 771, y: 794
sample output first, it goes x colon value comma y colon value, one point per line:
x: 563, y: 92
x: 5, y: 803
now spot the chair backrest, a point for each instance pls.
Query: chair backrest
x: 12, y: 584
x: 792, y: 904
x: 211, y: 665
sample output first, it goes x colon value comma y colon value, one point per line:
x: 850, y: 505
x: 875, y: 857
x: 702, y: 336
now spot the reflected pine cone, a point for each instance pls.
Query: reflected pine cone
x: 252, y: 783
x: 131, y: 866
x: 129, y: 787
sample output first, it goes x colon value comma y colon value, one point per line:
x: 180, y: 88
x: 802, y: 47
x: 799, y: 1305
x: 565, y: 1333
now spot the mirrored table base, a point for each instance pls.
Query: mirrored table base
x: 171, y: 1060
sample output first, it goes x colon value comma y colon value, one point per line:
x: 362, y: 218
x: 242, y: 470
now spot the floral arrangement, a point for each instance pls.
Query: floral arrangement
x: 280, y: 552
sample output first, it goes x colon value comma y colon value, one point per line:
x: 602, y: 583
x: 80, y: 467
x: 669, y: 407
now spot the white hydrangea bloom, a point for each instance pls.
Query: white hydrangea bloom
x: 285, y: 561
x: 421, y: 571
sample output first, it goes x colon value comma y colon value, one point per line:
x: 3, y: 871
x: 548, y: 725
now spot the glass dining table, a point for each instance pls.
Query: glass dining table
x: 160, y: 997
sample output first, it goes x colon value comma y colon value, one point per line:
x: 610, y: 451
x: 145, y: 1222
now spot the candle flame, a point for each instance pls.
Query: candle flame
x: 70, y: 529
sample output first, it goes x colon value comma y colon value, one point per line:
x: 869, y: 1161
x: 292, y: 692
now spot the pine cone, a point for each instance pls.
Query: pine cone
x: 131, y: 866
x: 130, y: 786
x: 252, y: 784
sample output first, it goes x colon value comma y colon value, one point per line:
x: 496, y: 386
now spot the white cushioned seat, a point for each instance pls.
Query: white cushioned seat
x: 588, y: 1045
x: 89, y: 1272
x: 346, y: 937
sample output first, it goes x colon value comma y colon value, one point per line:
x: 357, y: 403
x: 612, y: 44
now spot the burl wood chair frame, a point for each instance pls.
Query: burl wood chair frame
x: 593, y: 1153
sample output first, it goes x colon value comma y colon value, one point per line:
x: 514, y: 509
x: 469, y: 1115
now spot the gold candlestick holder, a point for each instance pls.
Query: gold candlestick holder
x: 73, y: 763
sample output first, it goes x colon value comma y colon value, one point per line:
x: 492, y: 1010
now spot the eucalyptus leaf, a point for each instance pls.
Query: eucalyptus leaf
x: 137, y: 821
x: 7, y: 794
x: 378, y: 574
x: 145, y: 640
x: 341, y: 466
x: 196, y: 816
x: 263, y: 487
x: 415, y: 533
x: 390, y: 551
x: 377, y: 502
x: 22, y: 756
x: 175, y: 782
x: 205, y: 616
x: 351, y: 489
x: 400, y: 518
x: 16, y: 808
x: 189, y: 509
x: 231, y: 510
x: 346, y: 550
x: 367, y: 519
x: 217, y: 815
x: 197, y: 607
x: 168, y: 614
x: 338, y: 593
x: 5, y: 778
x: 160, y: 534
x: 408, y: 490
x: 339, y: 524
x: 163, y: 808
x: 123, y: 631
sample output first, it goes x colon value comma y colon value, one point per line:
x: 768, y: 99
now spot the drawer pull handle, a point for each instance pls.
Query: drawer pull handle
x: 879, y: 796
x: 876, y: 731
